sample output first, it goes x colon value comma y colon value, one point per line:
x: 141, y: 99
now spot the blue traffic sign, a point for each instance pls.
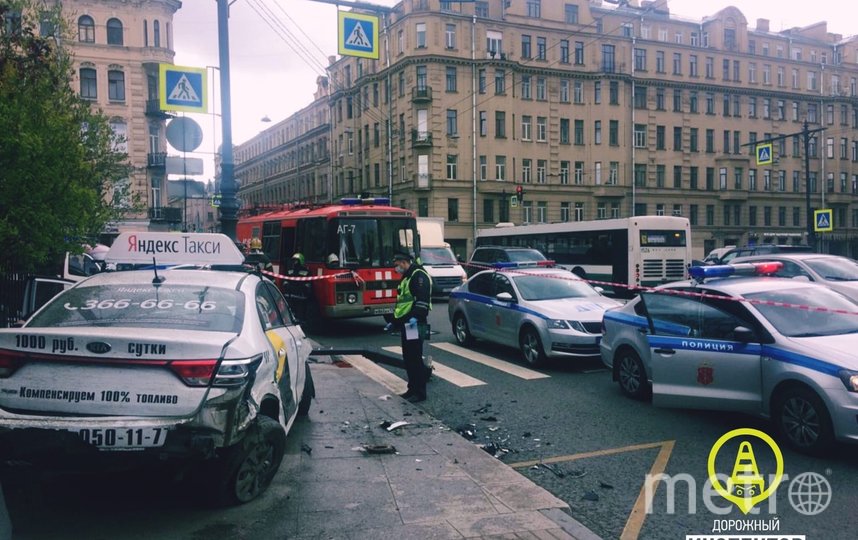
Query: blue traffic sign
x: 764, y: 154
x: 822, y: 220
x: 358, y: 35
x: 183, y: 88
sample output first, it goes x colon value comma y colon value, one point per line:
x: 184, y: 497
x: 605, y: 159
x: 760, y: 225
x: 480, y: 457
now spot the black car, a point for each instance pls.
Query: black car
x: 486, y: 256
x: 763, y: 249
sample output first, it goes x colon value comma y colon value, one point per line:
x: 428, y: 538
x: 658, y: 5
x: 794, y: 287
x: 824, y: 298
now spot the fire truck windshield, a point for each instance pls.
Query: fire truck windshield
x: 370, y: 242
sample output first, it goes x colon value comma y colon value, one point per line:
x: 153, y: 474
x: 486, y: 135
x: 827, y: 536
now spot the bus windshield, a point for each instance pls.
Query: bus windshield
x: 370, y: 242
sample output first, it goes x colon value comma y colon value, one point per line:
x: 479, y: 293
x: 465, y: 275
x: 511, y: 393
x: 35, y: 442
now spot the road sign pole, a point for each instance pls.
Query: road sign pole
x: 811, y: 235
x: 229, y: 203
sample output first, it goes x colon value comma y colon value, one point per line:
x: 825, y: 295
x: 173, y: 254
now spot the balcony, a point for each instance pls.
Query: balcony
x: 421, y: 139
x: 609, y: 190
x: 421, y: 94
x: 153, y: 109
x: 166, y: 214
x: 739, y: 195
x: 156, y: 160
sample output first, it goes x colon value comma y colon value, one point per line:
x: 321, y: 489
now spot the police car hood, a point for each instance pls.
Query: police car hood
x: 579, y: 309
x: 838, y: 350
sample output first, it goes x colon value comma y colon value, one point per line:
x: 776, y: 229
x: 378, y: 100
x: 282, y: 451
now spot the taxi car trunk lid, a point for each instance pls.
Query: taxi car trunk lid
x: 43, y: 371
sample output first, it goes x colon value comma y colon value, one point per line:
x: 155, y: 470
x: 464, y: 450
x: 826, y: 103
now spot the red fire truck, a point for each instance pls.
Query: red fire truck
x: 354, y: 240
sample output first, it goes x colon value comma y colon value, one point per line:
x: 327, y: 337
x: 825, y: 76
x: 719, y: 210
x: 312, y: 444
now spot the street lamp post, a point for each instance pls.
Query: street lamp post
x: 229, y: 203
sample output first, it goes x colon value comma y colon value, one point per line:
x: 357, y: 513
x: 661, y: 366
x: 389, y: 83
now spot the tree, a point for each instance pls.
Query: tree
x: 58, y: 163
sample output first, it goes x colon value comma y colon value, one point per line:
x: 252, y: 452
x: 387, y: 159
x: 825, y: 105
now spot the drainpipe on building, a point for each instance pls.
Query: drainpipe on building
x: 634, y: 180
x: 474, y: 124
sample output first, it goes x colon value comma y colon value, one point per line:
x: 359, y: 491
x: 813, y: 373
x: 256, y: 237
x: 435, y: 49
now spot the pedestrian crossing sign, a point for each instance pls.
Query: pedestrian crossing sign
x: 358, y: 35
x: 822, y: 220
x: 182, y: 88
x: 764, y: 154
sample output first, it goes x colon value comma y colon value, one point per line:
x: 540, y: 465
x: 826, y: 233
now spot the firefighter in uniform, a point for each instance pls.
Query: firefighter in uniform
x: 257, y: 258
x: 413, y: 302
x: 299, y: 293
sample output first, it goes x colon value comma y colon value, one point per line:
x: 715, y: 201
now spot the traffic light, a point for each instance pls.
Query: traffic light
x: 519, y: 191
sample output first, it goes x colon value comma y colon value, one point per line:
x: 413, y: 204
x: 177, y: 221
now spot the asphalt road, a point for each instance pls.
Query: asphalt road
x: 599, y: 445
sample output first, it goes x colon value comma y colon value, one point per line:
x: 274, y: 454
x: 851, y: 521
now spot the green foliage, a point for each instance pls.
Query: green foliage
x: 57, y: 163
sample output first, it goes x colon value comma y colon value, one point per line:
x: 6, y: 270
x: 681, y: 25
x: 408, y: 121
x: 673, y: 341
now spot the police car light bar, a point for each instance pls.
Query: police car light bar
x: 356, y: 201
x: 525, y: 264
x: 700, y: 273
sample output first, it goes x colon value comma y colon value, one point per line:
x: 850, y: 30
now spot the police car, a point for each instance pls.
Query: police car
x: 750, y: 344
x: 198, y: 366
x: 545, y: 312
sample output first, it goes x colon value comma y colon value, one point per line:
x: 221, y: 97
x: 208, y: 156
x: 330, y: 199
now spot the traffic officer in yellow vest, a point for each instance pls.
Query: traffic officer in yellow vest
x: 413, y: 302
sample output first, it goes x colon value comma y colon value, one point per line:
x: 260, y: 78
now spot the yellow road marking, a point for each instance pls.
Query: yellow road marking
x: 634, y: 523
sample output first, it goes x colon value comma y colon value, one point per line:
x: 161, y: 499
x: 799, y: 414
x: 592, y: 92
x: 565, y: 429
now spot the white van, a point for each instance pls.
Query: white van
x: 437, y: 257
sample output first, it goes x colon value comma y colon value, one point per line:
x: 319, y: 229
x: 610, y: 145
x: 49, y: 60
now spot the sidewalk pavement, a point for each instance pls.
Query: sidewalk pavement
x: 436, y: 485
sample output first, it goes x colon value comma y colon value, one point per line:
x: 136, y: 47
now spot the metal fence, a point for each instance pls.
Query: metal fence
x: 12, y: 284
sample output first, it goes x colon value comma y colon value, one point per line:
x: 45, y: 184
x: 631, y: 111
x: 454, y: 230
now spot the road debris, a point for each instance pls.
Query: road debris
x: 489, y: 418
x: 604, y: 485
x: 397, y: 425
x: 558, y: 472
x: 307, y: 449
x: 468, y: 431
x: 590, y: 496
x: 379, y: 448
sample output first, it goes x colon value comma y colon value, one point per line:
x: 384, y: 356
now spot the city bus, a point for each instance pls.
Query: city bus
x: 628, y: 252
x: 354, y: 240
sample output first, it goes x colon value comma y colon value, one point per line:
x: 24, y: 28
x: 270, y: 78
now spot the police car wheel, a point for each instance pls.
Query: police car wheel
x: 244, y: 471
x: 461, y: 330
x: 803, y: 421
x: 631, y: 374
x: 531, y: 347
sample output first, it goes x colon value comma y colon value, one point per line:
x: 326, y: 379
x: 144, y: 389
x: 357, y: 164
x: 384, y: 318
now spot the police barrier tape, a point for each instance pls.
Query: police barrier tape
x: 674, y: 292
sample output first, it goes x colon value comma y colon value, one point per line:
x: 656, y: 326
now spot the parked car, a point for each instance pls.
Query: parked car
x: 485, y: 257
x: 745, y: 346
x: 762, y: 249
x: 836, y: 272
x: 199, y: 367
x: 544, y: 312
x: 714, y: 256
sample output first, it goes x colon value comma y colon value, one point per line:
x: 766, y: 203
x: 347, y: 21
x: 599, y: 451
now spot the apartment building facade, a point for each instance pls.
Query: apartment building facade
x: 600, y: 111
x: 117, y: 48
x: 290, y: 161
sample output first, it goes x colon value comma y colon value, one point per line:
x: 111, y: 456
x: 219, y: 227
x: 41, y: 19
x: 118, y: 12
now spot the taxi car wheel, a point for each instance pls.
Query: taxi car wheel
x: 244, y: 471
x: 307, y: 395
x: 461, y: 330
x: 631, y: 374
x: 531, y: 347
x: 803, y: 421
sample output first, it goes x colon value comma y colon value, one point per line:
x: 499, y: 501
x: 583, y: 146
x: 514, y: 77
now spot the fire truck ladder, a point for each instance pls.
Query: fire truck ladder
x: 745, y: 480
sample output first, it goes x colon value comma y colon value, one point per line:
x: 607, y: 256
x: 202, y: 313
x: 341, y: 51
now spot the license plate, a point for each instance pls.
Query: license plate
x: 382, y: 311
x: 123, y: 438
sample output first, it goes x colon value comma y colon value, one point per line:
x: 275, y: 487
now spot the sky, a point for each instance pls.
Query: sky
x: 269, y: 79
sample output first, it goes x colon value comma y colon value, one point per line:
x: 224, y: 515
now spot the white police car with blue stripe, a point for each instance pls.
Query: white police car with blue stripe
x: 733, y: 339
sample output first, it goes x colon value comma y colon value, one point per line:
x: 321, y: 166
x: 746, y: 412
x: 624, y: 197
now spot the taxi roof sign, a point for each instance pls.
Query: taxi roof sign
x: 174, y: 248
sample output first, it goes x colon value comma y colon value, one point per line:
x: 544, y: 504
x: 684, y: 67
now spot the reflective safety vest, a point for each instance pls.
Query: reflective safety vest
x: 404, y: 298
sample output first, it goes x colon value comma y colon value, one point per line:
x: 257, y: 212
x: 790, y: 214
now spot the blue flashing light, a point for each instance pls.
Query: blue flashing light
x: 500, y: 265
x: 700, y: 273
x: 356, y: 201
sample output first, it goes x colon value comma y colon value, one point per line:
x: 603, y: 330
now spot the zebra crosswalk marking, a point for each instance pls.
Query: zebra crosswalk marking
x: 462, y: 380
x: 500, y: 365
x: 377, y: 373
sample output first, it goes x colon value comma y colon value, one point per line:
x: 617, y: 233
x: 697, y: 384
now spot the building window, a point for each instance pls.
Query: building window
x: 483, y: 123
x: 494, y: 43
x: 564, y: 130
x: 677, y: 176
x: 481, y: 9
x: 484, y: 168
x: 677, y: 64
x: 579, y: 53
x: 614, y: 173
x: 489, y: 210
x: 564, y: 89
x: 526, y: 124
x: 156, y: 28
x: 452, y: 209
x: 500, y: 81
x: 526, y: 211
x: 88, y: 83
x: 452, y: 123
x: 614, y: 93
x: 534, y: 9
x: 564, y: 51
x: 482, y: 81
x: 500, y: 124
x: 525, y: 46
x: 86, y: 29
x: 640, y: 59
x: 579, y: 173
x: 640, y: 135
x: 640, y: 174
x: 114, y: 32
x: 541, y: 211
x: 659, y: 138
x: 571, y: 12
x: 578, y: 92
x: 579, y: 211
x: 564, y: 212
x: 613, y: 132
x: 452, y: 167
x: 597, y: 132
x: 450, y: 36
x: 540, y: 171
x: 541, y: 128
x: 564, y: 172
x: 541, y: 47
x: 525, y: 171
x: 115, y: 85
x: 677, y: 139
x: 452, y: 79
x: 608, y: 58
x: 421, y: 35
x: 579, y: 132
x: 540, y: 89
x: 500, y: 168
